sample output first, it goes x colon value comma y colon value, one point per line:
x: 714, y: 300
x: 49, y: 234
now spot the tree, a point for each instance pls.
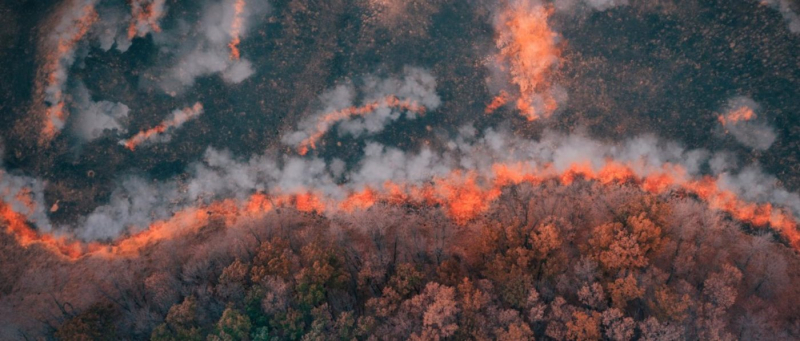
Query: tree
x: 322, y: 271
x: 95, y: 323
x: 617, y: 327
x: 180, y: 324
x: 623, y: 290
x: 668, y: 305
x: 439, y: 319
x: 475, y: 303
x: 616, y: 248
x: 406, y: 280
x: 653, y: 330
x: 592, y: 296
x: 583, y: 327
x: 233, y: 280
x: 512, y: 327
x: 233, y: 326
x: 720, y: 292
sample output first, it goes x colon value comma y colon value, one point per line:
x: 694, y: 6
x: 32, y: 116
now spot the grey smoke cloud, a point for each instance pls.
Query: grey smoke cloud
x: 135, y: 204
x: 146, y: 15
x: 139, y: 201
x: 110, y: 31
x: 752, y: 132
x: 756, y: 135
x: 598, y: 5
x: 788, y: 11
x: 166, y: 129
x: 94, y: 119
x: 76, y: 23
x: 201, y: 48
x: 751, y: 183
x: 416, y: 84
x: 20, y: 191
x: 192, y: 49
x: 119, y: 24
x: 73, y: 19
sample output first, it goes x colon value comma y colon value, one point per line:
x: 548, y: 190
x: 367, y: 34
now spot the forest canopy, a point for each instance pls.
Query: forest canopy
x: 220, y: 170
x: 580, y: 262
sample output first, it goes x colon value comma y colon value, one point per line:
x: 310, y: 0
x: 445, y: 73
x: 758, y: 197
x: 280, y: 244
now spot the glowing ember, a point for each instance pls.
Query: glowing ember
x: 176, y: 119
x: 57, y: 62
x: 741, y: 114
x: 236, y: 28
x: 497, y: 102
x: 145, y: 15
x: 327, y: 120
x: 463, y: 195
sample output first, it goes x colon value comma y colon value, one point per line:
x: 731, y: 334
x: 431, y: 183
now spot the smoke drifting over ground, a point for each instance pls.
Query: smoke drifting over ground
x: 204, y: 48
x: 258, y: 170
x: 789, y: 12
x: 97, y: 118
x: 163, y: 131
x: 741, y: 121
x: 384, y: 101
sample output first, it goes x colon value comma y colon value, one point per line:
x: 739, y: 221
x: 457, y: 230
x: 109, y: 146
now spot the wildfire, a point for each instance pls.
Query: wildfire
x: 462, y: 194
x: 743, y: 113
x: 529, y: 53
x: 56, y: 64
x: 497, y: 102
x: 17, y: 225
x: 327, y: 120
x: 145, y: 15
x: 236, y: 28
x: 176, y: 119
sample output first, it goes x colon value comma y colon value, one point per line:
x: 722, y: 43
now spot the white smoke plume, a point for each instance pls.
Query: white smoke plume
x: 133, y: 205
x: 788, y: 11
x: 94, y: 119
x: 201, y: 48
x: 742, y: 120
x: 417, y: 86
x: 145, y: 17
x: 110, y: 30
x: 72, y: 21
x: 597, y: 5
x: 25, y: 195
x: 751, y: 183
x: 118, y: 25
x: 139, y: 201
x: 163, y: 131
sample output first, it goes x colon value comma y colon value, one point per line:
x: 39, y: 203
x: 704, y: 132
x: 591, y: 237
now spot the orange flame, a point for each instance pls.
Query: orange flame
x: 17, y: 225
x: 528, y: 49
x: 145, y: 14
x: 463, y: 195
x: 325, y: 121
x: 174, y: 121
x: 743, y: 113
x: 236, y: 28
x: 359, y: 200
x: 497, y: 102
x: 55, y: 68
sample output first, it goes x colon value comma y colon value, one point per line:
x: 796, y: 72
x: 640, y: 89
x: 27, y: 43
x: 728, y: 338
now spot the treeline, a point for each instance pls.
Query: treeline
x: 582, y: 262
